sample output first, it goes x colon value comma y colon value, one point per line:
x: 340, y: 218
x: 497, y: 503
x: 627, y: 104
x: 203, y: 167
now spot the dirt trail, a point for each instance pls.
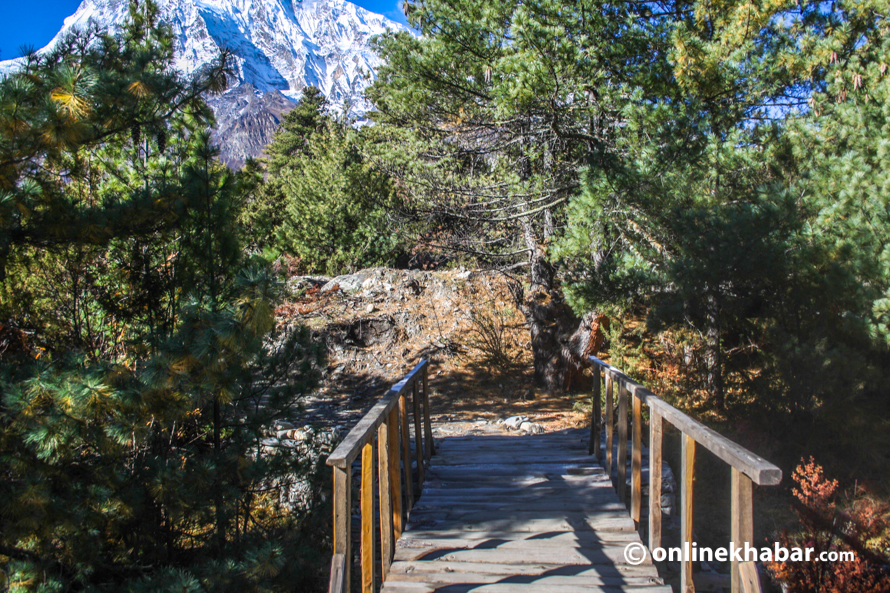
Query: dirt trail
x: 378, y: 323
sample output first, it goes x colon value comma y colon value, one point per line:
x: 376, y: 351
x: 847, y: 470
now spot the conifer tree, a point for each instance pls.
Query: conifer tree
x: 131, y: 421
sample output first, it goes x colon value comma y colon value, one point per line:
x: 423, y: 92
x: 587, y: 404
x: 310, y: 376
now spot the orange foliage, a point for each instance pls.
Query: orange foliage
x: 859, y: 527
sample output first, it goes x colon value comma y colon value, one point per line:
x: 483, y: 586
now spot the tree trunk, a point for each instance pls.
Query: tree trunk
x: 559, y: 342
x: 713, y: 358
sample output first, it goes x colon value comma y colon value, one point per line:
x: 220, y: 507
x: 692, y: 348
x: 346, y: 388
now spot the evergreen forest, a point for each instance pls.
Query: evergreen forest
x: 707, y: 181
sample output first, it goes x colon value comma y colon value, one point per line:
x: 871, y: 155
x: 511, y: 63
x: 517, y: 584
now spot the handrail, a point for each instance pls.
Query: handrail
x: 387, y: 424
x: 747, y: 468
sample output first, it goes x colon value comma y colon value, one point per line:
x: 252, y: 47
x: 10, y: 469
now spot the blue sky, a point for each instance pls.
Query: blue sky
x: 35, y: 22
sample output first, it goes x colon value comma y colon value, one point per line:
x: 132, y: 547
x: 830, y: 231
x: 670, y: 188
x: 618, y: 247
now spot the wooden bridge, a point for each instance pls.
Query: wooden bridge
x: 522, y: 513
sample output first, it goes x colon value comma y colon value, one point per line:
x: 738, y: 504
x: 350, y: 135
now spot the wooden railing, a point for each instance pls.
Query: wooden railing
x: 385, y: 425
x: 747, y: 468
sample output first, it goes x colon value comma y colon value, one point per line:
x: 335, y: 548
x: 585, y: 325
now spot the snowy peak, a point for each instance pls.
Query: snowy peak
x: 279, y: 45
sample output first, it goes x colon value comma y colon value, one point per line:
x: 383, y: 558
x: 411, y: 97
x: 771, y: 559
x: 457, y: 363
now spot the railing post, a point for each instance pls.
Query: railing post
x: 418, y: 435
x: 367, y: 508
x: 622, y: 442
x: 338, y: 566
x: 406, y: 455
x: 429, y: 446
x: 594, y: 446
x: 395, y: 472
x: 636, y: 477
x: 655, y: 441
x: 385, y: 497
x: 688, y: 471
x: 742, y: 531
x: 610, y: 424
x: 343, y: 519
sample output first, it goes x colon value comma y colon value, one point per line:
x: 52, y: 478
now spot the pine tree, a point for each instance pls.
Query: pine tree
x: 132, y: 418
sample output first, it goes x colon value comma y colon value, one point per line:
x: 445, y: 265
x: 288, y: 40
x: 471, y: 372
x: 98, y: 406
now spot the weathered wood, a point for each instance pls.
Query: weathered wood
x: 742, y: 513
x: 761, y: 471
x: 531, y: 587
x: 429, y: 446
x: 343, y: 519
x: 347, y: 451
x: 527, y: 524
x: 622, y: 443
x: 594, y: 447
x: 655, y: 442
x: 515, y: 456
x: 384, y: 455
x: 636, y: 476
x: 443, y: 580
x: 367, y: 517
x: 479, y: 540
x: 687, y: 478
x: 337, y: 584
x: 612, y: 555
x: 406, y: 455
x: 418, y: 436
x: 610, y: 423
x: 395, y: 473
x: 458, y: 507
x: 431, y: 570
x: 749, y: 579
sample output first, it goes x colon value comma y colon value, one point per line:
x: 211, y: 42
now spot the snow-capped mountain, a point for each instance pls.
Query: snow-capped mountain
x: 279, y: 45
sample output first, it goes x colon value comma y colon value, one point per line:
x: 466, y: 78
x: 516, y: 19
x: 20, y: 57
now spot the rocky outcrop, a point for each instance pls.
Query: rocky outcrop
x: 246, y: 121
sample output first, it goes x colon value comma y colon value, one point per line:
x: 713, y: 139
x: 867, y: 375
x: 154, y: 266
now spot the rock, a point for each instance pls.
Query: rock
x: 370, y: 309
x: 531, y: 428
x: 514, y: 421
x: 270, y: 442
x: 282, y: 425
x: 349, y: 282
x: 465, y: 275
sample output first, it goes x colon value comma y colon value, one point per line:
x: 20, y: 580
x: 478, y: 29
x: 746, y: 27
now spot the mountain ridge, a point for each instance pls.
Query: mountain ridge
x: 279, y: 47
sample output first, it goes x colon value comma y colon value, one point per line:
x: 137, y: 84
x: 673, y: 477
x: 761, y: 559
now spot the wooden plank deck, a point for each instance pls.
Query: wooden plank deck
x: 518, y: 513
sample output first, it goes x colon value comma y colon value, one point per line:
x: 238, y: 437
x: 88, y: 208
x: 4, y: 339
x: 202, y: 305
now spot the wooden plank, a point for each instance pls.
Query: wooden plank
x: 742, y: 517
x: 395, y: 473
x: 609, y: 555
x: 500, y: 497
x: 565, y: 436
x: 603, y: 570
x: 761, y: 471
x: 749, y: 578
x: 364, y: 431
x: 455, y: 508
x: 610, y: 424
x: 510, y: 587
x: 687, y: 478
x: 492, y: 470
x: 636, y: 475
x: 621, y: 485
x: 418, y: 435
x: 337, y: 583
x: 429, y: 446
x: 384, y: 496
x: 552, y: 539
x: 656, y: 439
x: 433, y: 581
x: 367, y: 517
x: 514, y: 442
x: 406, y: 455
x: 514, y: 457
x: 343, y: 519
x: 576, y: 522
x: 594, y: 447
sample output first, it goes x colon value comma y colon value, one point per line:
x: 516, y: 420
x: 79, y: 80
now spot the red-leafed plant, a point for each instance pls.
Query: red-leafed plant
x: 858, y: 525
